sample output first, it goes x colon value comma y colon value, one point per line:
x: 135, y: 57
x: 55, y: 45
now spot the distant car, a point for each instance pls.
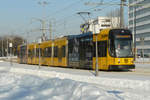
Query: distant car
x: 145, y: 55
x: 138, y: 55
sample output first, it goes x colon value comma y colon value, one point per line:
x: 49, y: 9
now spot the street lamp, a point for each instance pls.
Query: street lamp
x: 43, y: 4
x: 122, y: 13
x: 42, y: 28
x: 51, y: 28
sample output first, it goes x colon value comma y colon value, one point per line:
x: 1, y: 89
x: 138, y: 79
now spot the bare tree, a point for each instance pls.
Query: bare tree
x: 4, y: 44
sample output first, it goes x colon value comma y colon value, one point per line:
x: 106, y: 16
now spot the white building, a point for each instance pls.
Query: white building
x: 139, y: 19
x: 95, y: 25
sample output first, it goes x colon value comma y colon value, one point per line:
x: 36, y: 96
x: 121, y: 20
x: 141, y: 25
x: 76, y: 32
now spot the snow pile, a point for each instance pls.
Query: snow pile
x: 33, y: 84
x: 28, y: 87
x: 118, y: 83
x: 1, y: 61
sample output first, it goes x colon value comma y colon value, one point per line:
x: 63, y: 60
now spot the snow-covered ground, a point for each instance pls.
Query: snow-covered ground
x: 143, y: 60
x: 28, y: 82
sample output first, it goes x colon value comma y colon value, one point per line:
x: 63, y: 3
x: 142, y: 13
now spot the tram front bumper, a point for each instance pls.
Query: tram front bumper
x: 119, y: 67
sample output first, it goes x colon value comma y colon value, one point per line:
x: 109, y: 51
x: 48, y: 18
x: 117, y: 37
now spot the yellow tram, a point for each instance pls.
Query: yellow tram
x: 114, y: 48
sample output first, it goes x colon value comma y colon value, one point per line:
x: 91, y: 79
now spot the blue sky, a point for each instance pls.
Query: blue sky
x: 16, y: 16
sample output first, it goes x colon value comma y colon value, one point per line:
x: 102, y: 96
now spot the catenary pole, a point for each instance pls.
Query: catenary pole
x: 122, y: 14
x: 96, y: 69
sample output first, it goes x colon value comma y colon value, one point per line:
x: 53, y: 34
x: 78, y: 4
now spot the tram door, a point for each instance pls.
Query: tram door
x: 86, y: 48
x: 102, y: 54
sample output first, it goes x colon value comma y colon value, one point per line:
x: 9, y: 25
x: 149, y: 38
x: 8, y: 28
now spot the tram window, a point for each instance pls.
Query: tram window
x: 32, y: 53
x: 112, y: 48
x: 40, y: 52
x: 29, y: 53
x: 71, y: 46
x: 23, y: 51
x: 94, y: 49
x: 45, y: 52
x: 102, y: 48
x: 63, y: 51
x: 21, y: 54
x: 18, y: 53
x: 55, y: 51
x: 49, y: 51
x: 37, y: 52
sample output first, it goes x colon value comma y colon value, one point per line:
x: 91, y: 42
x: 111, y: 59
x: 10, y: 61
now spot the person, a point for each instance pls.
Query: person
x: 118, y: 49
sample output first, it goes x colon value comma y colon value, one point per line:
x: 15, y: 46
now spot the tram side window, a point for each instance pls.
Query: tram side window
x: 102, y: 48
x: 63, y: 49
x: 22, y: 53
x: 37, y: 52
x: 32, y: 53
x: 94, y: 49
x: 47, y: 52
x: 55, y: 51
x: 71, y: 46
x: 41, y: 52
x: 29, y: 53
x: 18, y: 53
x: 112, y: 48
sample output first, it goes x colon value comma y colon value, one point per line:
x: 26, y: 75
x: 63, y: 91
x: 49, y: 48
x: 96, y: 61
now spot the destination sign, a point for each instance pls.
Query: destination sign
x: 123, y: 36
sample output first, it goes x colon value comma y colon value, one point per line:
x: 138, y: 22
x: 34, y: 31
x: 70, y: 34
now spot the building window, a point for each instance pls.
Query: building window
x: 104, y: 25
x: 145, y: 26
x: 107, y: 20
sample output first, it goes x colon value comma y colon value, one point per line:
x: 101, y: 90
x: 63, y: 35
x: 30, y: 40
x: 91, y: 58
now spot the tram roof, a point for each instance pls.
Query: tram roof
x: 80, y: 35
